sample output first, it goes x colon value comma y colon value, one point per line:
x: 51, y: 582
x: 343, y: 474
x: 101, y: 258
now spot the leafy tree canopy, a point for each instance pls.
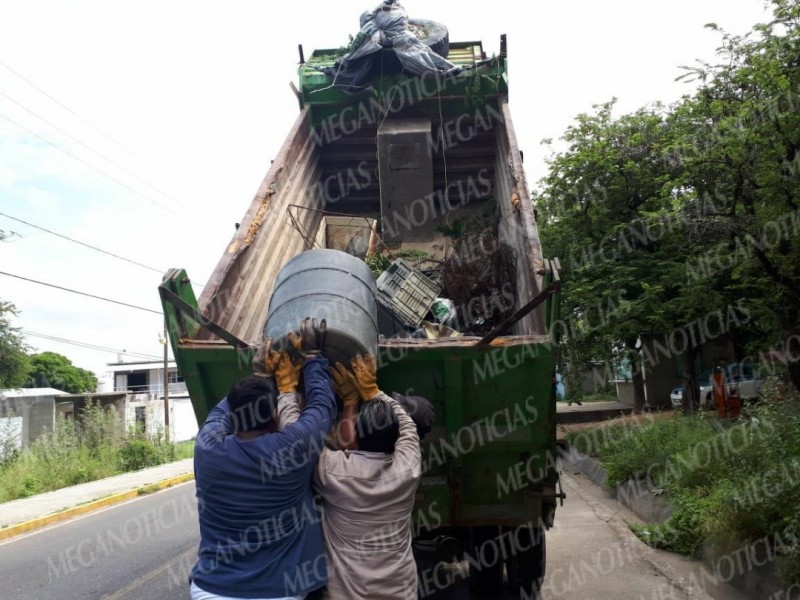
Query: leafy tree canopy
x: 669, y: 214
x: 13, y: 357
x: 50, y: 369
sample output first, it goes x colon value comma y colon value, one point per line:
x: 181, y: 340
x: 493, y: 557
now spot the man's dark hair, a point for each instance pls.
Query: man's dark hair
x: 377, y: 427
x: 252, y: 402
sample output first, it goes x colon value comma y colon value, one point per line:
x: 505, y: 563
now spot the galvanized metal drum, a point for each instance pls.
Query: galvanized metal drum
x: 330, y: 285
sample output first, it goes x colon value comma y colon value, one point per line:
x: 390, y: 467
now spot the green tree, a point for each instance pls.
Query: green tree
x: 13, y: 357
x: 613, y: 209
x: 687, y: 211
x: 50, y: 369
x: 742, y: 144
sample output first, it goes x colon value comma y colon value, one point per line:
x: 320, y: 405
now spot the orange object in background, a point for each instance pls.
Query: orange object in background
x: 720, y: 393
x: 726, y: 398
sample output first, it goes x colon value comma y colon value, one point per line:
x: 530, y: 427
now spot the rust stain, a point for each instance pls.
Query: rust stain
x: 258, y: 219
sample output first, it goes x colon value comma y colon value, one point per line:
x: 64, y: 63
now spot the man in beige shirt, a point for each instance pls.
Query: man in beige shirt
x: 368, y: 492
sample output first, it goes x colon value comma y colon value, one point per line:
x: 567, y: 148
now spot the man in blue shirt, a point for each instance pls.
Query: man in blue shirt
x: 257, y: 516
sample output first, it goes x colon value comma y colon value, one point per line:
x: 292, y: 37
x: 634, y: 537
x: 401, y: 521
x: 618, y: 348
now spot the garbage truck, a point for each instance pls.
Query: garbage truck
x: 419, y: 178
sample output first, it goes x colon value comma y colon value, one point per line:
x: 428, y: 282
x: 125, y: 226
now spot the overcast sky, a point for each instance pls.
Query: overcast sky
x: 188, y: 101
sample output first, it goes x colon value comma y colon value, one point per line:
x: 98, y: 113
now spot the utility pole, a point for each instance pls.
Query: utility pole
x: 166, y: 382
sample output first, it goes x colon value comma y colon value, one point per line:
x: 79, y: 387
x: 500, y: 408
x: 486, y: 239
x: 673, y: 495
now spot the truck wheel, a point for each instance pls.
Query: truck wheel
x: 529, y: 564
x: 435, y: 35
x: 486, y: 568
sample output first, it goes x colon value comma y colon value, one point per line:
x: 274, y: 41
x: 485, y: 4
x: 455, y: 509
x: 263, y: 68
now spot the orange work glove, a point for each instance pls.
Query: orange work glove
x: 365, y: 370
x: 287, y: 373
x: 344, y: 384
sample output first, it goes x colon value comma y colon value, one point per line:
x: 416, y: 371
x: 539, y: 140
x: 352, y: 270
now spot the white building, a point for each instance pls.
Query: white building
x: 143, y: 383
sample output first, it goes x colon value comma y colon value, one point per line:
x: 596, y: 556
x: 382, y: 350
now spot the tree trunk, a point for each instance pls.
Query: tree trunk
x: 638, y: 383
x: 794, y: 373
x: 691, y: 391
x: 637, y: 373
x: 789, y: 334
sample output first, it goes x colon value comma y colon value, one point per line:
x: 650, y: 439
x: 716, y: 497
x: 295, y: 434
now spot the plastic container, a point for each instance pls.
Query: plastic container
x: 406, y: 292
x: 331, y: 285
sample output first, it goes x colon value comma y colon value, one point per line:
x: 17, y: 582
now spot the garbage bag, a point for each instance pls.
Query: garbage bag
x: 387, y: 26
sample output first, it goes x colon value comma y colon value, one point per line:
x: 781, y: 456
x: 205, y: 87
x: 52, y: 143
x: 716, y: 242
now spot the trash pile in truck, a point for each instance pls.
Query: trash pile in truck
x: 468, y: 290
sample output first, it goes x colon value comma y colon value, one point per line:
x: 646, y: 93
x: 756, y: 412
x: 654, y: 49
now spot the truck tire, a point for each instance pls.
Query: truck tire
x: 526, y: 569
x: 437, y: 36
x: 485, y: 577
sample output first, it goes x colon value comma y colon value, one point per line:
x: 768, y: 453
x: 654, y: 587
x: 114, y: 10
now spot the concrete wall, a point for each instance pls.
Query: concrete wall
x: 10, y: 434
x: 183, y: 425
x: 37, y: 414
x: 661, y: 377
x: 182, y: 420
x: 598, y: 378
x: 624, y: 391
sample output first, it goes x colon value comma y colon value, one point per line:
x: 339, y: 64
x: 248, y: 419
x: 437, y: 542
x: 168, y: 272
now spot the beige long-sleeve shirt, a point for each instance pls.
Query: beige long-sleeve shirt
x: 368, y: 498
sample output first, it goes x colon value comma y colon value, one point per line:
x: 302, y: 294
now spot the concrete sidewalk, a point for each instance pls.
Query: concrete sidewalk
x: 27, y: 514
x: 590, y: 411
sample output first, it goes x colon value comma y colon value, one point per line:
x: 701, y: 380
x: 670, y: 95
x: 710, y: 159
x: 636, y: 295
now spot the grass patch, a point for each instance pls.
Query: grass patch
x: 600, y: 397
x: 184, y: 450
x: 70, y: 455
x: 729, y: 485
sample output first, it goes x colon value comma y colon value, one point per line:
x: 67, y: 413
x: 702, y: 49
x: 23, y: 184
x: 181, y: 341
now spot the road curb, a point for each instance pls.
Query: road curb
x: 81, y: 509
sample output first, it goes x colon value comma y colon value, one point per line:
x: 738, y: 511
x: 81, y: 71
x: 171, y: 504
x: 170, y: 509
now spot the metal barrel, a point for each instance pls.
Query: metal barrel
x: 330, y: 285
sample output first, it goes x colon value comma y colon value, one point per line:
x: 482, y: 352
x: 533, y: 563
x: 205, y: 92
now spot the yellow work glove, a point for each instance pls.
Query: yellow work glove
x: 287, y: 373
x: 344, y: 384
x: 265, y: 361
x: 365, y: 369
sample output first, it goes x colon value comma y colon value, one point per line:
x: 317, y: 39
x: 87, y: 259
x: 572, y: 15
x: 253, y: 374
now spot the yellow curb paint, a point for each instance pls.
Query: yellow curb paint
x: 39, y: 522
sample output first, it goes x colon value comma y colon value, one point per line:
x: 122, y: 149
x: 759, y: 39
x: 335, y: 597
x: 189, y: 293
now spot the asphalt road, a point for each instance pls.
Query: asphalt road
x: 143, y: 550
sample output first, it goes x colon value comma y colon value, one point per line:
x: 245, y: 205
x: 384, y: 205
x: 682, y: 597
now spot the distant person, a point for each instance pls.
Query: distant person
x: 258, y: 520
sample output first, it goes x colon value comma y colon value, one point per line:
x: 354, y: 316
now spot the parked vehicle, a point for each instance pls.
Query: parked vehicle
x: 676, y: 396
x: 739, y: 379
x: 489, y: 464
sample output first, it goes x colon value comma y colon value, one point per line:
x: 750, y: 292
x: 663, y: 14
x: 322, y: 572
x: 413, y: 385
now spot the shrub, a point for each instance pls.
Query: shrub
x: 728, y: 484
x: 69, y: 455
x: 100, y: 427
x: 137, y: 453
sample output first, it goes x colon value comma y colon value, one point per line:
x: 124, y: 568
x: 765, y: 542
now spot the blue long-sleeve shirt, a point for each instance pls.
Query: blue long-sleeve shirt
x: 260, y: 534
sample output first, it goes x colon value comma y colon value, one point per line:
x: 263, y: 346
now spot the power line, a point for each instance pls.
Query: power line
x: 106, y: 252
x: 83, y: 162
x: 91, y: 346
x: 128, y: 260
x: 89, y: 148
x: 68, y: 109
x: 58, y: 287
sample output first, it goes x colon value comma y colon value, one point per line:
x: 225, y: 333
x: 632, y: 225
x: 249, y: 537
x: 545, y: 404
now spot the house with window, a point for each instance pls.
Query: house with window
x: 144, y: 384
